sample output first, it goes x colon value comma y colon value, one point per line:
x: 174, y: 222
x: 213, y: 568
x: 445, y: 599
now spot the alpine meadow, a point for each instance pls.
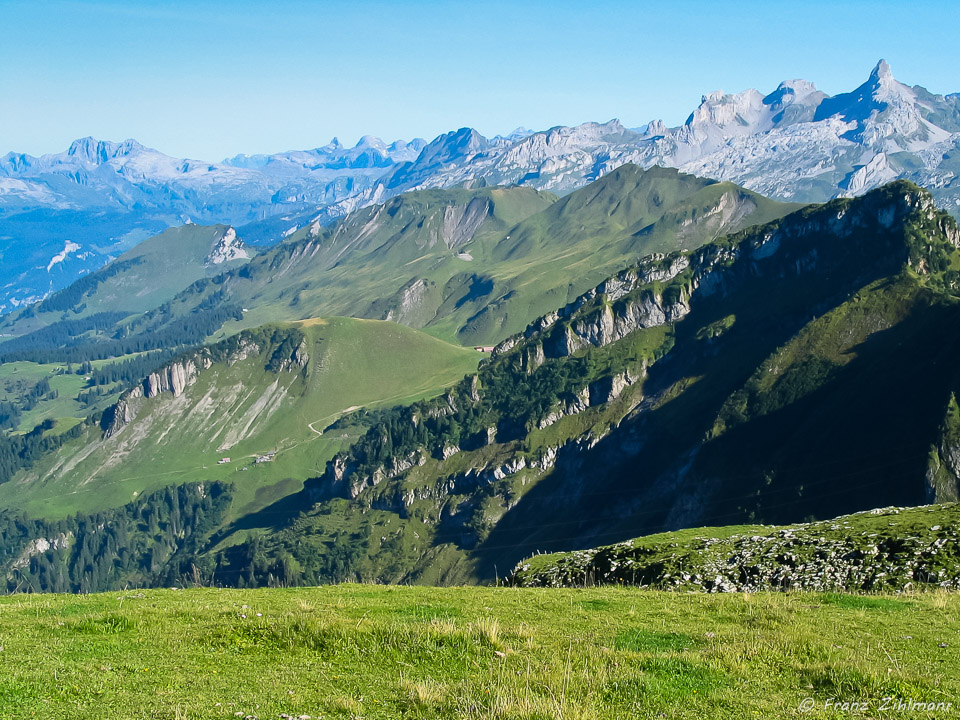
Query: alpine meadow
x: 603, y: 420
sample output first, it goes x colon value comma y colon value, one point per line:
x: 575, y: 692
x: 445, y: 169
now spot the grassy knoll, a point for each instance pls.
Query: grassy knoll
x: 882, y: 549
x: 353, y: 651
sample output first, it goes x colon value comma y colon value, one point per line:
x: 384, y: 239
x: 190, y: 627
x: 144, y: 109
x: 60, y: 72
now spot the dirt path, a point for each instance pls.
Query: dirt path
x: 335, y: 415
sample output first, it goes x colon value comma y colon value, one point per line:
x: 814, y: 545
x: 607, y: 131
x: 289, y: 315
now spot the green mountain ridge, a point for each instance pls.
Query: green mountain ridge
x: 634, y: 381
x: 148, y: 275
x: 470, y: 266
x: 727, y: 382
x: 880, y: 550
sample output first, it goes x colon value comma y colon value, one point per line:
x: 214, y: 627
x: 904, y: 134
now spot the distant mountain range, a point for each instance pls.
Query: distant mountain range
x: 66, y: 214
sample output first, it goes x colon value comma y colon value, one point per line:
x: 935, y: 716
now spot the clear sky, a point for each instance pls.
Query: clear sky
x: 208, y: 80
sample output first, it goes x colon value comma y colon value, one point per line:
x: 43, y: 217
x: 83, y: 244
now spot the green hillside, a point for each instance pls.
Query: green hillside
x: 737, y: 383
x: 148, y: 275
x: 239, y: 407
x: 474, y: 266
x: 354, y: 651
x: 61, y: 392
x: 885, y: 549
x: 397, y: 261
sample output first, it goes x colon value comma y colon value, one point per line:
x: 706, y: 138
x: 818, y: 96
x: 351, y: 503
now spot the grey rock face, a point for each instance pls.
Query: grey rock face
x: 176, y: 376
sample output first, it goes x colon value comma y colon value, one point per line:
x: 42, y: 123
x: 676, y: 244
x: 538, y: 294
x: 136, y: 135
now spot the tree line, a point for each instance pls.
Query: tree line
x: 147, y: 543
x: 67, y: 340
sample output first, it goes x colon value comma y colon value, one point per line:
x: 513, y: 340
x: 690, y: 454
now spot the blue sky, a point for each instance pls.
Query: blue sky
x: 208, y: 80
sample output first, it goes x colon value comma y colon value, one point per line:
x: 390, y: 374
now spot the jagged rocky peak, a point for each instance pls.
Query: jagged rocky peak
x: 465, y: 141
x: 518, y: 134
x: 227, y: 248
x: 371, y: 141
x: 402, y: 146
x: 656, y: 128
x: 794, y: 92
x: 722, y: 110
x: 589, y: 132
x: 881, y: 74
x: 96, y: 152
x: 875, y: 94
x: 884, y: 88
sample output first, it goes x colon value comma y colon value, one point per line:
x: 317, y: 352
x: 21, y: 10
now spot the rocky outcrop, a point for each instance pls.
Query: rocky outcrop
x: 571, y: 406
x: 609, y: 388
x: 655, y: 268
x: 227, y: 249
x: 407, y: 302
x: 173, y: 378
x: 852, y: 553
x: 394, y: 467
x: 176, y: 376
x: 461, y: 222
x: 39, y: 546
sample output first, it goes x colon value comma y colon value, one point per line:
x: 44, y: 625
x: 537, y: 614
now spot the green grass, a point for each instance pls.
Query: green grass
x: 531, y: 254
x: 353, y: 651
x: 18, y: 377
x: 888, y: 548
x: 140, y: 279
x: 352, y: 363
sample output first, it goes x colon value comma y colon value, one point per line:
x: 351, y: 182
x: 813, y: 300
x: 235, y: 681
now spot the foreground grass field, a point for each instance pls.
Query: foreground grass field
x: 354, y: 651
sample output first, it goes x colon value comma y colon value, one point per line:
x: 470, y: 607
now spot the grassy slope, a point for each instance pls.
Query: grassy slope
x: 353, y: 363
x: 367, y: 260
x: 66, y: 409
x: 529, y: 256
x: 140, y: 279
x: 355, y: 651
x: 885, y: 548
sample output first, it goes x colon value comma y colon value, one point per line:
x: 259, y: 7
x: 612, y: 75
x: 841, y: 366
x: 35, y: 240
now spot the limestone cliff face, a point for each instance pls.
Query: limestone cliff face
x: 227, y: 248
x: 637, y: 298
x: 461, y: 222
x: 176, y: 376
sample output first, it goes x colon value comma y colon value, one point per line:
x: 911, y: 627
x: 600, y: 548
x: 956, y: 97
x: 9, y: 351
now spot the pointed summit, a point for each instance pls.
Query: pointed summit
x: 881, y: 73
x: 878, y: 92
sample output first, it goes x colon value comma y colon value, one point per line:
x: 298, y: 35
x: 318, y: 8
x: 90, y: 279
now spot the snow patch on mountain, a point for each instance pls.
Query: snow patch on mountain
x: 69, y: 247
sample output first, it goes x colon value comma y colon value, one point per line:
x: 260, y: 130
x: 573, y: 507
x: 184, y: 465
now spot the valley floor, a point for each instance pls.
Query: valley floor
x: 352, y: 651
